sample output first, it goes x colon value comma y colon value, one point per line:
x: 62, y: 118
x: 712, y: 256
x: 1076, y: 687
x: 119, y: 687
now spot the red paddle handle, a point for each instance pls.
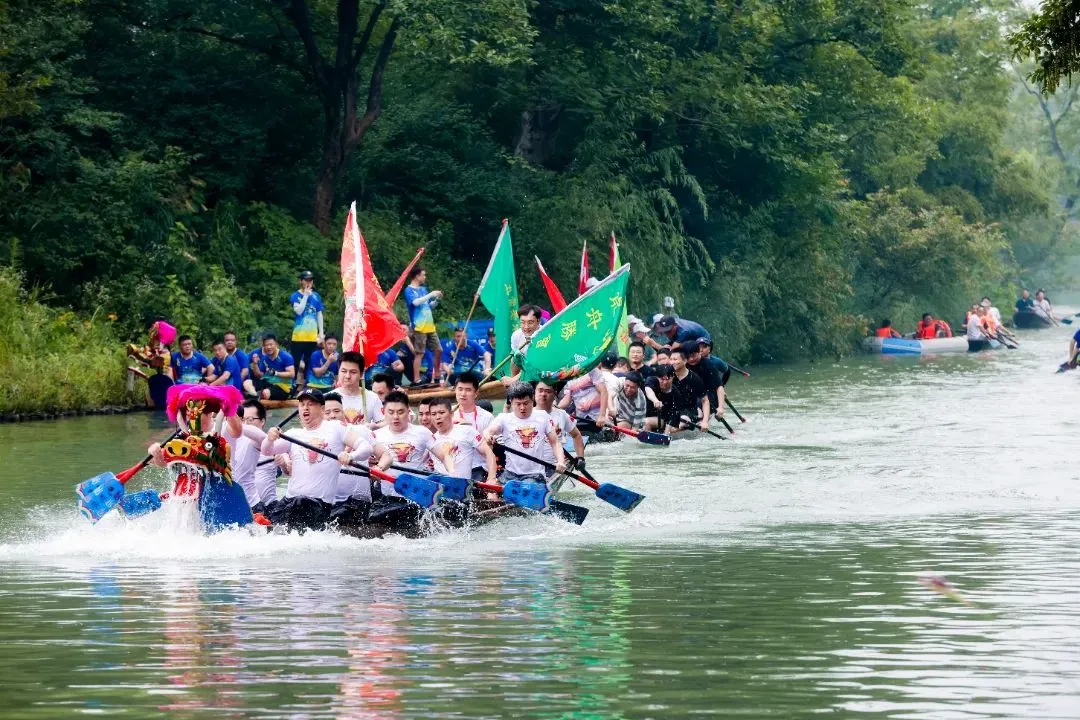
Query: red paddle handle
x: 624, y: 431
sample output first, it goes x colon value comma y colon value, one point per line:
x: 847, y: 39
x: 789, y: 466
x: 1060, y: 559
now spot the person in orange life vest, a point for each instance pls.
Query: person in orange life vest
x: 929, y: 328
x: 886, y: 330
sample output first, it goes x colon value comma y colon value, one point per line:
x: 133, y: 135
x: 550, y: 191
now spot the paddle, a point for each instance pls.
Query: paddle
x: 688, y: 423
x: 102, y: 493
x: 734, y: 410
x: 421, y: 491
x: 726, y: 424
x: 620, y: 497
x: 536, y: 496
x: 455, y: 488
x: 738, y: 370
x: 646, y: 436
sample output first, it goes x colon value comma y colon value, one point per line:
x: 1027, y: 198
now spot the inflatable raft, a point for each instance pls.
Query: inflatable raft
x: 907, y: 346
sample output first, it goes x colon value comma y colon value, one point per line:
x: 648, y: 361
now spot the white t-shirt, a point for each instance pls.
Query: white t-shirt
x: 583, y: 391
x: 1042, y: 307
x: 266, y: 479
x: 244, y: 460
x: 478, y: 418
x: 465, y: 441
x: 994, y: 313
x: 974, y: 328
x: 518, y: 341
x: 411, y: 448
x: 614, y: 385
x: 314, y: 475
x: 563, y: 427
x: 527, y: 435
x: 353, y: 407
x: 349, y: 485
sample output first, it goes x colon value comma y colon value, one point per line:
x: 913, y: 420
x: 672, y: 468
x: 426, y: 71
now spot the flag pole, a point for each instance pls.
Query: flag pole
x: 395, y: 289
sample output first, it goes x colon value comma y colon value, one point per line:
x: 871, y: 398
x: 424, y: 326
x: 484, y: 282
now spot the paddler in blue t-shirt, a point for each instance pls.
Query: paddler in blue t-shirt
x: 224, y: 370
x: 189, y: 365
x: 273, y: 370
x: 465, y: 354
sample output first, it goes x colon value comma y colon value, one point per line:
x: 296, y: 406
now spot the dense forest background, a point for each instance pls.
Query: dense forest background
x: 789, y: 171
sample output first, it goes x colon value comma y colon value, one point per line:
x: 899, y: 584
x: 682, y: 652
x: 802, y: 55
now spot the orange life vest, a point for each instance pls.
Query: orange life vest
x: 887, y: 332
x: 926, y: 332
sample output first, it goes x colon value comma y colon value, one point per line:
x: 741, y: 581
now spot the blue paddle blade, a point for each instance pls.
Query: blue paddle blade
x: 653, y: 438
x: 99, y: 495
x: 135, y: 505
x: 421, y: 491
x: 454, y: 488
x: 620, y: 497
x: 527, y: 494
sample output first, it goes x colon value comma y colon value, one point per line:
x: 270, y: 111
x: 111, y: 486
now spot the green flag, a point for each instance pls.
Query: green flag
x: 622, y: 336
x: 572, y: 342
x: 498, y: 291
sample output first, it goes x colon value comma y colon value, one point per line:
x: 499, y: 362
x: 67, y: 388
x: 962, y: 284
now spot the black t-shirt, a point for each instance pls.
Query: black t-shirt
x: 645, y: 371
x: 666, y: 412
x: 687, y: 393
x: 710, y: 378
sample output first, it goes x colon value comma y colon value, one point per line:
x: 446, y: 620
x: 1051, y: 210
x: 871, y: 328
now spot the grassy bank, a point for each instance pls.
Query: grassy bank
x: 53, y: 360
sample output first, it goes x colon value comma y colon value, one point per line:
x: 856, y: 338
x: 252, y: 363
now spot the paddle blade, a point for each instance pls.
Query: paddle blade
x: 570, y: 513
x: 653, y: 438
x: 454, y: 488
x: 620, y: 497
x: 141, y: 503
x: 99, y: 495
x: 527, y: 494
x: 421, y: 491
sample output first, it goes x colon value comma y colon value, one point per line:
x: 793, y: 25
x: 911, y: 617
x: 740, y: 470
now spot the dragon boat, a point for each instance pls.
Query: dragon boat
x: 492, y: 390
x: 196, y: 459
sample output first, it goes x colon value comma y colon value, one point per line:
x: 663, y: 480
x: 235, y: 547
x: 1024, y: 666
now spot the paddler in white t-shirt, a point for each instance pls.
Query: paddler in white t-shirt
x: 564, y: 424
x: 466, y: 442
x: 254, y: 472
x: 360, y: 406
x: 312, y: 489
x: 407, y: 444
x: 526, y: 430
x: 353, y: 491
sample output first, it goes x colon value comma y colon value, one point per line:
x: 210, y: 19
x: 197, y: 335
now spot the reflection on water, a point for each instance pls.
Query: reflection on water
x: 775, y: 574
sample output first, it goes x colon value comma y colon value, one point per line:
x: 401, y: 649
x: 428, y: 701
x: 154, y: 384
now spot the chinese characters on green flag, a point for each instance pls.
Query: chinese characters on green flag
x: 572, y: 342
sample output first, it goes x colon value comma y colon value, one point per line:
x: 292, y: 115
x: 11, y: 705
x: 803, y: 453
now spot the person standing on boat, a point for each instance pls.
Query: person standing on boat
x: 528, y: 324
x: 689, y: 396
x: 422, y: 330
x: 307, y: 334
x: 224, y: 369
x: 1025, y: 303
x: 466, y: 442
x: 360, y: 407
x: 273, y: 370
x: 312, y: 490
x: 886, y: 330
x: 565, y: 427
x: 525, y: 429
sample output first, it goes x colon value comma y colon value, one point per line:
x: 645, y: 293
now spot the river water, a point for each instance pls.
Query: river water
x: 776, y: 574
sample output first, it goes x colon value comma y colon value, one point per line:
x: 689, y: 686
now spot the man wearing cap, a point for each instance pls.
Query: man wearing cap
x: 678, y: 331
x: 307, y: 335
x: 488, y: 345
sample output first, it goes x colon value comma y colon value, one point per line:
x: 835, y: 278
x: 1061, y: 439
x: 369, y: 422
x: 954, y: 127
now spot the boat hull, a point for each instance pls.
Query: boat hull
x: 1030, y: 321
x: 907, y: 346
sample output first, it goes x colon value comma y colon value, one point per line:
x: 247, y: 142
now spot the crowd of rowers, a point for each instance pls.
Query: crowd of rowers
x: 668, y: 381
x: 982, y: 323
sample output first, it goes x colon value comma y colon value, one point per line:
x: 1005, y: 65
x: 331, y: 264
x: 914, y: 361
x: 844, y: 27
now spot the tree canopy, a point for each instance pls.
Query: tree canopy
x: 789, y: 171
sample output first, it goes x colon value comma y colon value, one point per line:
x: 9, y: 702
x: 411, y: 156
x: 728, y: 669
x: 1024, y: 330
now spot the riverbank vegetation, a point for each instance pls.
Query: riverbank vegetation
x: 54, y: 360
x: 788, y: 171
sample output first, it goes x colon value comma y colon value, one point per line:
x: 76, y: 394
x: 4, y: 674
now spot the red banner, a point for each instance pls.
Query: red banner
x: 370, y: 323
x: 583, y: 276
x: 553, y: 292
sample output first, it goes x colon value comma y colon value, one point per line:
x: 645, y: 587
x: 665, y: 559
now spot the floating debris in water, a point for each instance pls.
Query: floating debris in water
x: 941, y: 585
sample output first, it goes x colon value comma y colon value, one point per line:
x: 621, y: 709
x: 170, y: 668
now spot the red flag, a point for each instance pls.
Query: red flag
x: 557, y: 301
x: 370, y: 323
x: 613, y: 254
x: 392, y: 293
x: 583, y: 277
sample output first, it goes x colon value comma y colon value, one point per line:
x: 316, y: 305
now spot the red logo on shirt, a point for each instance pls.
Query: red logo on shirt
x: 526, y: 435
x: 314, y: 457
x: 402, y: 450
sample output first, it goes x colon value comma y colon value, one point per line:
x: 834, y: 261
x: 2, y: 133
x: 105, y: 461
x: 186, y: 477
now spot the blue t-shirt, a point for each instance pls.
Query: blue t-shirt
x: 278, y: 364
x: 688, y: 330
x: 229, y: 364
x: 420, y: 316
x: 470, y: 356
x: 306, y: 324
x: 486, y: 346
x: 384, y: 364
x: 243, y: 360
x: 190, y: 370
x: 328, y: 378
